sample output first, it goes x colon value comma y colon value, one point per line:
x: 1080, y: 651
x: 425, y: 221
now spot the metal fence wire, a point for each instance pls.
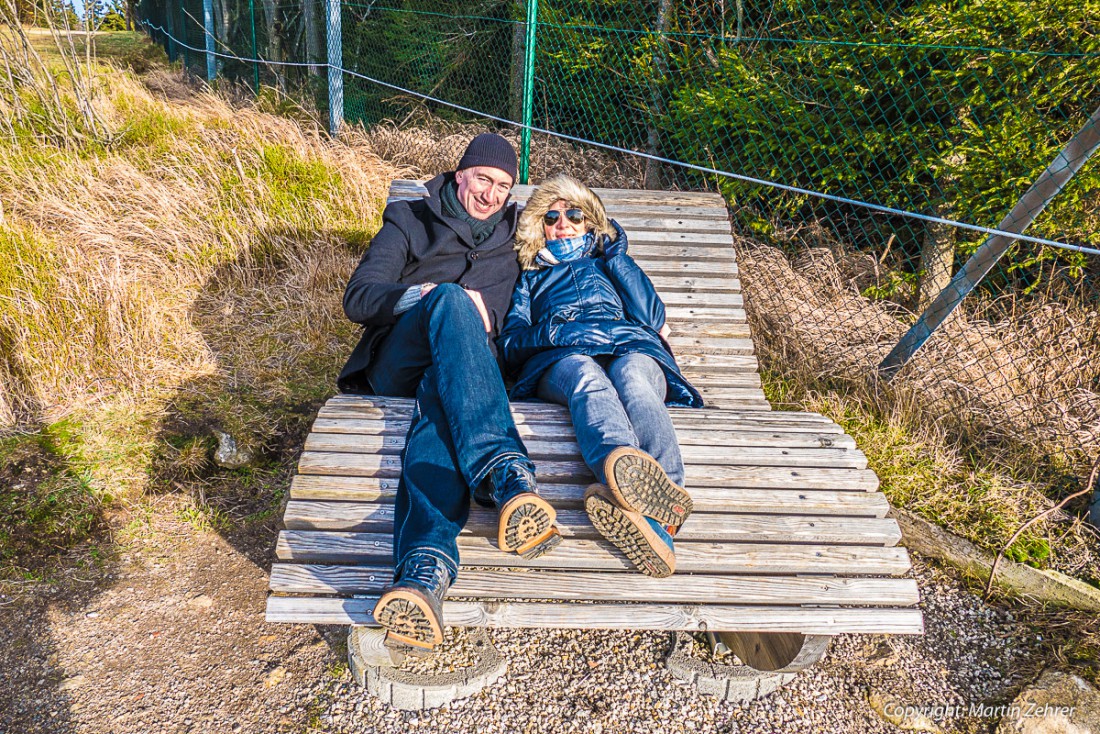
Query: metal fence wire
x: 945, y: 109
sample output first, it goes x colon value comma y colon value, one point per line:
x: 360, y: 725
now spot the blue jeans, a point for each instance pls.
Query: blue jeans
x: 616, y: 401
x: 461, y: 427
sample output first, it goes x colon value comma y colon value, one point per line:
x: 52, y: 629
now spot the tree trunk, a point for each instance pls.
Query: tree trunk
x: 274, y: 41
x: 657, y: 103
x: 221, y: 31
x: 515, y: 87
x: 937, y: 257
x: 313, y: 47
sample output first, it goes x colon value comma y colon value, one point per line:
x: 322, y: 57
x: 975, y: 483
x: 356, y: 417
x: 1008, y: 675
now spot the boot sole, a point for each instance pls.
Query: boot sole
x: 526, y: 526
x: 630, y: 533
x: 410, y: 618
x: 639, y: 483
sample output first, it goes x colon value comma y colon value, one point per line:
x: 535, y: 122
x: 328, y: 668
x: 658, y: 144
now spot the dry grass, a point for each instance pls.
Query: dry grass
x: 196, y: 250
x: 983, y: 430
x: 426, y: 146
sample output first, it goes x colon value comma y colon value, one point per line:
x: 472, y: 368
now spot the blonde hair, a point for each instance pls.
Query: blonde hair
x: 530, y: 235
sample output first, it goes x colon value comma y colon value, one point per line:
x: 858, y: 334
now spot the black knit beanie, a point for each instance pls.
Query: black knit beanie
x: 490, y: 149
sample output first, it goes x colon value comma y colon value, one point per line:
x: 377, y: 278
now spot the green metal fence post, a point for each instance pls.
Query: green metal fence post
x: 255, y: 53
x: 528, y: 91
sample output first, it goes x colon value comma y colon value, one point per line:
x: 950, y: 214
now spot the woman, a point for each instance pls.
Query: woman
x: 584, y: 330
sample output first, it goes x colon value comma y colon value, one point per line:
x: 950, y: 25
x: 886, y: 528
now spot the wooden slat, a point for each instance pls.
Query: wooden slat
x: 701, y: 328
x: 610, y: 197
x: 648, y: 249
x: 713, y: 345
x: 764, y: 477
x: 695, y: 285
x: 704, y: 300
x: 689, y: 268
x: 565, y: 448
x: 308, y: 546
x: 548, y: 615
x: 377, y: 517
x: 564, y: 431
x: 580, y: 586
x: 634, y: 224
x: 527, y: 411
x: 692, y: 418
x: 681, y: 316
x: 566, y: 495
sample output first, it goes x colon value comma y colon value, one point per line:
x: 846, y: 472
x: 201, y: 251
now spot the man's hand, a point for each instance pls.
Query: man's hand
x: 476, y: 296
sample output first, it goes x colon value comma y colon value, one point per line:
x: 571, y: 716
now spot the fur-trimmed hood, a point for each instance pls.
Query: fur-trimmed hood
x: 530, y: 237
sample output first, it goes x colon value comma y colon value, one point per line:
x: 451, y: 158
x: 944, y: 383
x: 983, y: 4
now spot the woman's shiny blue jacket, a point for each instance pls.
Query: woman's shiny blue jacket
x: 587, y: 306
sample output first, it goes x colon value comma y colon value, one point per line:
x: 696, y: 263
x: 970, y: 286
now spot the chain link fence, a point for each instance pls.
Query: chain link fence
x: 943, y: 109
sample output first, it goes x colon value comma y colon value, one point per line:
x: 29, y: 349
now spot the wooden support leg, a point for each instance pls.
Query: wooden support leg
x: 779, y: 652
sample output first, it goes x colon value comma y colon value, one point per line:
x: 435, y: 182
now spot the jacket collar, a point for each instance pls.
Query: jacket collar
x: 462, y: 229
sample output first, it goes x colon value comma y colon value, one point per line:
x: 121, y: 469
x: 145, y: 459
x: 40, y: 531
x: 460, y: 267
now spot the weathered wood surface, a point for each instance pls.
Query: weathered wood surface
x: 315, y: 546
x: 570, y: 496
x: 787, y: 512
x: 581, y: 586
x: 548, y: 615
x: 377, y: 517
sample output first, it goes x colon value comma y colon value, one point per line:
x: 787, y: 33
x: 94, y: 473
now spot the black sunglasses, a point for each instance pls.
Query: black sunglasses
x: 576, y: 216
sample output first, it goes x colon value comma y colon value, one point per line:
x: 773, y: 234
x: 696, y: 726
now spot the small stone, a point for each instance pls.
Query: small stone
x: 202, y: 601
x: 275, y: 677
x: 69, y: 684
x: 229, y: 455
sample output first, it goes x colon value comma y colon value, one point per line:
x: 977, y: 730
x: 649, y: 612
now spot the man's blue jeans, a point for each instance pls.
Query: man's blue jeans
x: 616, y: 401
x: 461, y: 427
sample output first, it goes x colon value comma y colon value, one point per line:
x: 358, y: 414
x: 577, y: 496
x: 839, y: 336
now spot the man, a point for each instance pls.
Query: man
x: 432, y: 292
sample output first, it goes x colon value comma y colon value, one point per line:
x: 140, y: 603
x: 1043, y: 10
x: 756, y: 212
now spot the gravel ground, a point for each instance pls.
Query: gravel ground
x: 170, y: 637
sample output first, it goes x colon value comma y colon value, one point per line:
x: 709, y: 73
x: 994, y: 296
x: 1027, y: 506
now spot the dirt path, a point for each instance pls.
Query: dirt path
x: 170, y: 637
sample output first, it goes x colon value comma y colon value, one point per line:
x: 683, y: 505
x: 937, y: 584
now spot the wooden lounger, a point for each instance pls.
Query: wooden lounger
x: 789, y: 544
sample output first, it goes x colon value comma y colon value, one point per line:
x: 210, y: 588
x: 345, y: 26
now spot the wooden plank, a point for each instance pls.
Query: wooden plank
x: 634, y: 224
x: 749, y: 436
x: 780, y: 652
x: 566, y: 495
x: 694, y: 318
x: 549, y: 615
x: 704, y: 300
x: 689, y: 268
x: 377, y: 517
x: 580, y: 586
x: 309, y: 546
x: 701, y: 459
x: 764, y: 477
x: 696, y: 284
x: 407, y: 188
x: 623, y: 211
x: 702, y: 244
x: 525, y: 412
x: 565, y: 448
x: 694, y: 418
x: 701, y: 329
x: 647, y: 250
x: 712, y: 345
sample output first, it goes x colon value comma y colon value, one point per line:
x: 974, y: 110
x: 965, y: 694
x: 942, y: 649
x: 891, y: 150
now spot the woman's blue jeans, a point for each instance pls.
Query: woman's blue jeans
x: 461, y: 428
x: 615, y: 401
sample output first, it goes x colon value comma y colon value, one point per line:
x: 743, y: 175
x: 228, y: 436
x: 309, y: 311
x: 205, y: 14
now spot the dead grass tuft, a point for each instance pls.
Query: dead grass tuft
x: 983, y: 430
x: 425, y: 146
x: 202, y: 252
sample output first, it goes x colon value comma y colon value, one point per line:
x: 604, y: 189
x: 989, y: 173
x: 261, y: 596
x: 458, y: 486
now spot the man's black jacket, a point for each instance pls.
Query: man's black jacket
x: 418, y: 243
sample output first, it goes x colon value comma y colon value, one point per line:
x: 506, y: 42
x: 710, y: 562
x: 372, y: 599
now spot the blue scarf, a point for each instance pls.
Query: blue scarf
x: 566, y: 249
